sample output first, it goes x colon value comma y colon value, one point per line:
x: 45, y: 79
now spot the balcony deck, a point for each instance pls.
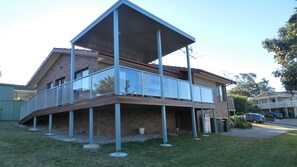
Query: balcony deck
x: 282, y: 104
x: 136, y: 87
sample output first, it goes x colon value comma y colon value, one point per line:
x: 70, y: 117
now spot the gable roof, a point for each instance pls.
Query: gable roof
x: 137, y: 33
x: 51, y: 59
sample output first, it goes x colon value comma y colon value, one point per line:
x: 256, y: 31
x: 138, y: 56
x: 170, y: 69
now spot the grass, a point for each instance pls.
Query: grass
x: 19, y: 147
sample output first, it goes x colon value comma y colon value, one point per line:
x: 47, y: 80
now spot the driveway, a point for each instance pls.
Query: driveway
x: 266, y: 130
x: 284, y: 122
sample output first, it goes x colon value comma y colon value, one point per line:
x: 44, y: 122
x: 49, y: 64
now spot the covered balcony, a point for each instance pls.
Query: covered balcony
x: 132, y: 83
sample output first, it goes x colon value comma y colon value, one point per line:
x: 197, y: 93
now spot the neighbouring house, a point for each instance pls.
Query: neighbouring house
x: 283, y: 102
x: 112, y: 89
x: 11, y: 98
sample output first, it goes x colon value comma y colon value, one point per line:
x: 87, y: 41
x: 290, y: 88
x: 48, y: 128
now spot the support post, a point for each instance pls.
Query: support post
x: 72, y: 70
x: 118, y: 152
x: 164, y: 127
x: 118, y: 127
x: 287, y: 113
x: 295, y: 112
x: 194, y: 126
x: 91, y: 145
x: 71, y: 117
x: 34, y: 124
x: 116, y: 51
x: 50, y: 125
x: 159, y: 47
x: 203, y: 122
x: 91, y: 134
x: 214, y: 121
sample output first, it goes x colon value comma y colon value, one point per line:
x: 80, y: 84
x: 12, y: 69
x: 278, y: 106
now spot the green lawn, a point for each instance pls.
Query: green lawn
x: 19, y: 147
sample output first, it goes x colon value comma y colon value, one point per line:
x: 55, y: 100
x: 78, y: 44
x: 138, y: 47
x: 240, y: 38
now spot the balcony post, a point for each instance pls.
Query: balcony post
x: 72, y: 70
x: 71, y: 117
x: 189, y: 72
x: 159, y: 46
x: 116, y: 51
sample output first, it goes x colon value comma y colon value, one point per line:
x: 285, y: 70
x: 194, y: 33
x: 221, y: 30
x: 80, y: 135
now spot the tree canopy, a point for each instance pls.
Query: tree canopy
x: 284, y: 48
x: 247, y: 85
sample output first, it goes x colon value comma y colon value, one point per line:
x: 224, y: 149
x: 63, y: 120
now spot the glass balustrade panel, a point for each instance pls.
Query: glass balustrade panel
x: 151, y: 85
x: 196, y: 93
x: 64, y: 95
x: 130, y: 82
x: 51, y: 97
x: 40, y: 101
x: 103, y: 83
x: 206, y: 94
x: 81, y: 89
x: 170, y: 88
x: 184, y: 90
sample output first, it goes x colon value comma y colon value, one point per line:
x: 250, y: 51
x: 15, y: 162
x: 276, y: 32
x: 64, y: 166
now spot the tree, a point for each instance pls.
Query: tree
x: 247, y: 85
x: 284, y: 48
x: 105, y: 85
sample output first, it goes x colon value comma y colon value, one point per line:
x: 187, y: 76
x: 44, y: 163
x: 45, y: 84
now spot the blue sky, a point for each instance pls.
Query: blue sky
x: 228, y: 33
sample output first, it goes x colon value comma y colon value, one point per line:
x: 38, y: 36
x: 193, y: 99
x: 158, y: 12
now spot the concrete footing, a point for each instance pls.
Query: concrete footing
x: 205, y: 135
x: 166, y: 145
x: 118, y: 154
x: 33, y: 129
x: 197, y: 138
x: 69, y: 139
x: 49, y: 134
x: 91, y: 147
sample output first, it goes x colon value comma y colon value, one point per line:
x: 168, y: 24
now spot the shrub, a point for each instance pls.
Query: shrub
x: 240, y: 122
x: 269, y: 117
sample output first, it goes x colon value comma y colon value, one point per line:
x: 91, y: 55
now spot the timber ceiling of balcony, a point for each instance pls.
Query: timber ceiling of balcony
x: 137, y: 34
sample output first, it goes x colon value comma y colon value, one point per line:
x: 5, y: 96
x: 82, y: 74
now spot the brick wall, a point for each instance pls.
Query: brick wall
x: 104, y: 124
x: 221, y: 110
x: 61, y: 68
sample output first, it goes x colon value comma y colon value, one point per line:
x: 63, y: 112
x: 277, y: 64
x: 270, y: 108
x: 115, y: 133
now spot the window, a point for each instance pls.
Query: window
x: 81, y: 73
x: 60, y: 81
x: 220, y: 93
x: 49, y: 85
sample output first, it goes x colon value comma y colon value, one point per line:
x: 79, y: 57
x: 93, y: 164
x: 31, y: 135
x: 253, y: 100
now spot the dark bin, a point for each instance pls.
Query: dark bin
x: 212, y: 125
x: 227, y: 125
x: 221, y: 125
